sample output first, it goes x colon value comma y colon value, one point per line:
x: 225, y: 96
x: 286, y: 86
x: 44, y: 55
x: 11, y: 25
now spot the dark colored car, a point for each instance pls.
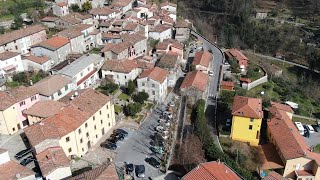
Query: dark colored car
x: 140, y: 170
x: 117, y: 136
x: 121, y: 131
x: 109, y: 145
x: 153, y: 162
x: 22, y: 153
x: 306, y: 131
x: 129, y: 168
x: 316, y: 128
x: 112, y: 140
x: 27, y: 160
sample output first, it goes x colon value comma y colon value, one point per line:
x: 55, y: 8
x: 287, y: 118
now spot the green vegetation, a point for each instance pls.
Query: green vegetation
x: 108, y: 88
x: 227, y: 98
x: 95, y: 51
x: 212, y: 152
x: 131, y: 87
x: 138, y: 118
x: 24, y: 78
x: 304, y: 121
x: 148, y: 105
x: 132, y: 109
x: 254, y: 72
x: 117, y: 109
x: 317, y: 148
x: 124, y: 97
x: 17, y: 23
x: 140, y: 97
x: 85, y: 7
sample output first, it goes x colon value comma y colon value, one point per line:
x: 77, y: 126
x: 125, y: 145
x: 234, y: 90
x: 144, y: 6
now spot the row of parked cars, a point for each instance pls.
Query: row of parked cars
x: 307, y: 129
x: 111, y: 142
x: 22, y: 154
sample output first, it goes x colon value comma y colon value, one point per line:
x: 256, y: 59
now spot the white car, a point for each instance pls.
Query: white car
x: 159, y: 128
x: 161, y: 121
x: 210, y: 73
x: 310, y: 128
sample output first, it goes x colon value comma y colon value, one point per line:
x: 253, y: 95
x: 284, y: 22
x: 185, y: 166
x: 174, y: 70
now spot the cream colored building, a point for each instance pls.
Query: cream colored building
x: 78, y: 126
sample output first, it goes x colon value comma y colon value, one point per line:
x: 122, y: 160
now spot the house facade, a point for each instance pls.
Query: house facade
x: 182, y: 30
x: 202, y: 61
x: 10, y: 62
x: 103, y: 14
x: 242, y: 60
x: 121, y: 71
x: 77, y: 127
x: 154, y: 82
x: 160, y: 32
x: 171, y: 7
x: 14, y: 102
x: 21, y: 40
x: 35, y: 63
x: 60, y: 9
x: 247, y: 116
x: 56, y: 48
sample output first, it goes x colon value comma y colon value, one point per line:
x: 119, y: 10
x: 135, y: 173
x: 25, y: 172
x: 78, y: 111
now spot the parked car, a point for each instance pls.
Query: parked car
x: 159, y: 128
x: 191, y: 51
x: 118, y: 136
x: 306, y: 131
x: 228, y: 123
x: 210, y: 73
x: 22, y: 153
x: 310, y: 128
x: 112, y: 140
x: 157, y: 149
x: 153, y: 162
x: 161, y: 120
x: 140, y: 170
x: 129, y: 168
x: 125, y: 133
x: 110, y: 145
x: 27, y: 160
x: 316, y: 128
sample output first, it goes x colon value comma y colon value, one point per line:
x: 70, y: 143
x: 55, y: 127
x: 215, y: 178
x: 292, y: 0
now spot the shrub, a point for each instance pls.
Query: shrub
x: 132, y: 109
x: 140, y: 97
x: 131, y: 87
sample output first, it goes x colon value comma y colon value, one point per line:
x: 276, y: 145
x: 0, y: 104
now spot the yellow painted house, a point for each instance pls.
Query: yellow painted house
x: 246, y: 119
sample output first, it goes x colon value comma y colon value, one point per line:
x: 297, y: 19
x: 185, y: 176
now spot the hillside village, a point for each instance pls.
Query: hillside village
x: 128, y: 89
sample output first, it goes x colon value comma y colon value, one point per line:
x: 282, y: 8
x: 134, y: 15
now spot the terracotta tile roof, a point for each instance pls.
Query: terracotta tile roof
x: 247, y: 107
x: 70, y: 19
x: 246, y: 80
x: 274, y: 176
x: 61, y: 4
x: 269, y: 156
x: 131, y: 26
x: 9, y: 98
x: 167, y: 3
x: 238, y: 55
x: 7, y: 55
x: 103, y: 11
x: 74, y: 31
x: 110, y: 35
x: 123, y: 66
x: 143, y: 64
x: 157, y: 74
x: 282, y: 107
x: 165, y: 44
x: 105, y: 24
x: 168, y: 61
x: 104, y: 172
x: 227, y: 83
x: 117, y: 48
x: 52, y: 84
x: 168, y: 20
x: 115, y: 29
x: 36, y: 59
x: 160, y: 28
x: 133, y: 38
x: 88, y: 100
x: 118, y: 22
x: 44, y: 109
x: 182, y: 24
x: 18, y: 34
x: 49, y: 19
x: 53, y: 43
x: 51, y: 159
x: 121, y: 3
x: 11, y: 169
x: 211, y: 171
x: 196, y: 79
x: 202, y: 58
x: 304, y: 173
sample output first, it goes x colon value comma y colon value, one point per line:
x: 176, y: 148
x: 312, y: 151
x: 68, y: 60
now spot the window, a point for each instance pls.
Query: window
x: 108, y: 115
x: 143, y: 84
x: 95, y: 127
x: 117, y: 76
x: 67, y: 139
x: 250, y: 127
x: 100, y: 112
x: 125, y: 77
x: 251, y: 119
x: 59, y: 93
x: 93, y: 118
x: 33, y: 98
x: 101, y: 121
x: 81, y: 74
x: 79, y: 131
x: 97, y: 136
x: 107, y: 106
x: 82, y: 149
x: 89, y: 69
x: 87, y: 134
x: 16, y: 47
x: 22, y: 103
x: 13, y: 129
x: 257, y: 135
x: 153, y: 93
x: 86, y: 125
x: 153, y: 85
x: 66, y: 88
x: 108, y: 124
x: 81, y: 140
x: 69, y: 149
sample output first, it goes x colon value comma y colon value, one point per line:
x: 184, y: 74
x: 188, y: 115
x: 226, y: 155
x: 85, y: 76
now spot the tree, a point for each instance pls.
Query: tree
x: 2, y: 30
x: 86, y: 6
x: 21, y: 77
x: 132, y: 109
x: 235, y: 68
x: 108, y: 88
x: 17, y: 23
x: 140, y: 97
x: 75, y: 8
x: 131, y: 87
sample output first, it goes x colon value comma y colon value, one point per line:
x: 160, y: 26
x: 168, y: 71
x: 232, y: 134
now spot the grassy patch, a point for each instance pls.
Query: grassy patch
x: 148, y: 105
x: 317, y: 148
x: 13, y: 84
x: 117, y: 109
x: 138, y: 118
x: 95, y: 51
x: 6, y: 17
x: 303, y: 121
x: 124, y: 97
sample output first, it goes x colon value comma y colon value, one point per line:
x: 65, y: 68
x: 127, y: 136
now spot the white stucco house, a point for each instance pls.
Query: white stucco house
x: 54, y: 87
x: 10, y: 62
x: 83, y: 70
x: 31, y: 62
x: 171, y: 7
x: 56, y: 48
x: 104, y: 13
x: 60, y: 9
x: 154, y: 82
x: 160, y: 32
x: 121, y: 71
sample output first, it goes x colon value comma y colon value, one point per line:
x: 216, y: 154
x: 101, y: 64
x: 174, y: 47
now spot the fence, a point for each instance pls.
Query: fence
x: 257, y: 82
